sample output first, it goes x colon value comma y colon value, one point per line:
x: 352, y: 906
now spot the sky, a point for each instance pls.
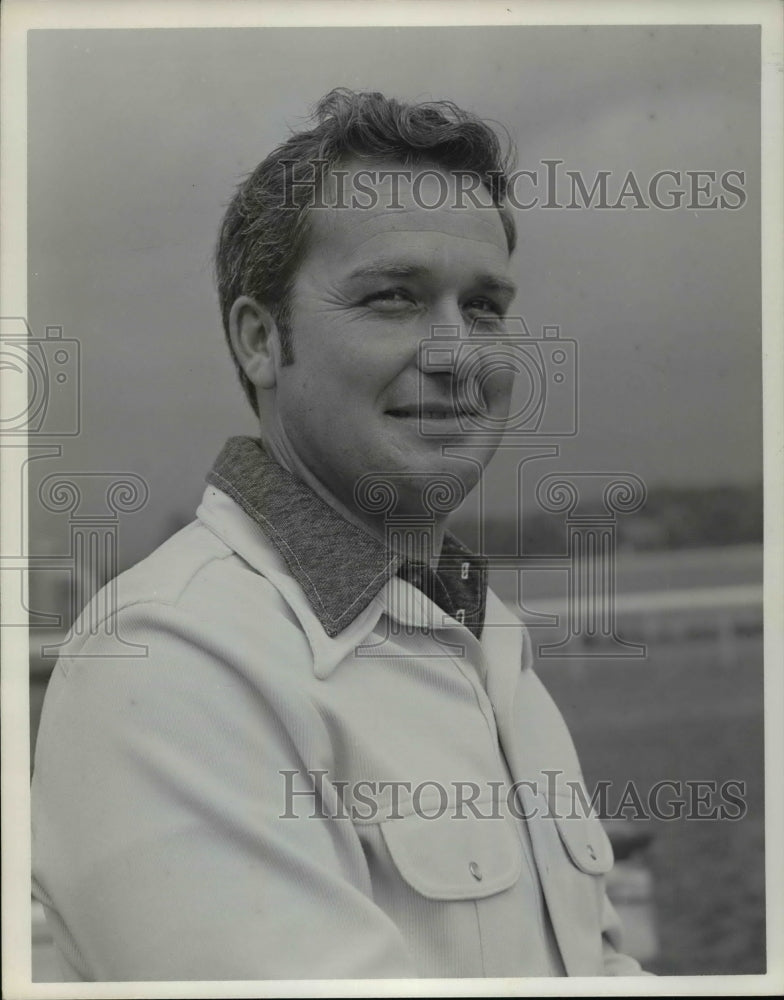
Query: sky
x: 137, y: 139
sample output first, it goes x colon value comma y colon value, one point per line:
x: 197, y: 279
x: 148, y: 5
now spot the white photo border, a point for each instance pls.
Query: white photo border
x: 19, y: 16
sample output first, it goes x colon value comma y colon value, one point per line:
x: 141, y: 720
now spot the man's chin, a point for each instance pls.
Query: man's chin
x: 462, y: 455
x: 456, y: 462
x: 435, y: 482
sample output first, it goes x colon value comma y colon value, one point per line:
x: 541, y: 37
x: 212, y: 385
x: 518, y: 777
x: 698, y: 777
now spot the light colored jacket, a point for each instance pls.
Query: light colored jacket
x: 160, y: 851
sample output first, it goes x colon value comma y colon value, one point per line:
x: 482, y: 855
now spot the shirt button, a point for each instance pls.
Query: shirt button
x: 460, y: 616
x: 475, y: 870
x: 464, y: 570
x: 591, y: 852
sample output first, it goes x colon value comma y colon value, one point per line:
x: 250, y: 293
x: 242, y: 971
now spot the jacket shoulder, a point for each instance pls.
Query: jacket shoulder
x: 167, y: 572
x: 193, y: 575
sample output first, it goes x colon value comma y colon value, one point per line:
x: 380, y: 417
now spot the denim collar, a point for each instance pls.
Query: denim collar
x: 340, y: 566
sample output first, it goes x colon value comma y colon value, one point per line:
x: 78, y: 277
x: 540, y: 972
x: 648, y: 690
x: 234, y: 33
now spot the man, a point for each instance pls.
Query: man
x: 334, y: 759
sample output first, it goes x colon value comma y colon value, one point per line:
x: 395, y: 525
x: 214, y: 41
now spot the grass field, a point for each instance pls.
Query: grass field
x: 680, y: 715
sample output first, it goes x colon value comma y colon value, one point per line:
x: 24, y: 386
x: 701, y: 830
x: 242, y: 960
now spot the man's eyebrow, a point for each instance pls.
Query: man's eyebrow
x: 400, y: 269
x: 495, y: 283
x: 386, y: 269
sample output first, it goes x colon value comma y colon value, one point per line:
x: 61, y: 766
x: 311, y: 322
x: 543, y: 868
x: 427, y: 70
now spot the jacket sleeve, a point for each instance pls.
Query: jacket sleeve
x: 159, y: 847
x: 616, y: 963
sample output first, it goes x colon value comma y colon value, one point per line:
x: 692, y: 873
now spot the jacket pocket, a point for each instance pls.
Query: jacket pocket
x: 573, y: 855
x: 450, y: 858
x: 586, y: 843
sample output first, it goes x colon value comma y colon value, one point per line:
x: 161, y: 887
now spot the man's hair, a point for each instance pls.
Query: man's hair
x: 263, y: 237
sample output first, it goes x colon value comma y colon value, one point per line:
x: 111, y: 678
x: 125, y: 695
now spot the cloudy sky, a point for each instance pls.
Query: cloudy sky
x: 137, y: 139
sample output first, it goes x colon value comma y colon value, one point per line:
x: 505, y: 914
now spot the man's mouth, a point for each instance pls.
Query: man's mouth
x: 428, y: 411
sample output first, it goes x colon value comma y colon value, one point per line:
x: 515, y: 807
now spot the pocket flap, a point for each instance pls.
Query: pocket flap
x: 451, y: 858
x: 586, y: 843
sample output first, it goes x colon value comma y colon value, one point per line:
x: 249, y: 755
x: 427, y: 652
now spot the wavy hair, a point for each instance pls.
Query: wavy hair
x: 263, y: 237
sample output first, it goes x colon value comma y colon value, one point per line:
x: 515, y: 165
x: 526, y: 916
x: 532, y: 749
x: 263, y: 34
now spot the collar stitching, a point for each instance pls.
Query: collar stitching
x: 281, y: 542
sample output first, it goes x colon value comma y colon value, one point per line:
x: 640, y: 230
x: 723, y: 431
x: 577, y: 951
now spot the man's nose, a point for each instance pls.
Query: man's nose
x: 455, y: 350
x: 443, y: 347
x: 438, y: 353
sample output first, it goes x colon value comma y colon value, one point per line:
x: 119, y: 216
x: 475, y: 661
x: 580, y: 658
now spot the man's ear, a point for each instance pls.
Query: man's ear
x: 256, y: 341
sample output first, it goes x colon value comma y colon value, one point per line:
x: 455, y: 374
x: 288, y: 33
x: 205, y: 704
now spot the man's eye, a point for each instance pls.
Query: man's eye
x: 484, y: 307
x: 390, y: 299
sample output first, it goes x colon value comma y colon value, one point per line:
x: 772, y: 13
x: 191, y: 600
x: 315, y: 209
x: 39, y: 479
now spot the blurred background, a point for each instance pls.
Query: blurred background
x: 136, y: 142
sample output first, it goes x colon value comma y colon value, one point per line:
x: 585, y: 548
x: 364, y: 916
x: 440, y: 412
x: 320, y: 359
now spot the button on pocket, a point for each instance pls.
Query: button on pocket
x: 450, y: 858
x: 586, y: 843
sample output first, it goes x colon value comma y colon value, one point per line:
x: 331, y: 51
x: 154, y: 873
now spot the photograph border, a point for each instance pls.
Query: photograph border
x: 20, y: 16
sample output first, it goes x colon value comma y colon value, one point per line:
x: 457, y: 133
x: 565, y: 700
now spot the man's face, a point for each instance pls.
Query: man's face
x: 373, y: 284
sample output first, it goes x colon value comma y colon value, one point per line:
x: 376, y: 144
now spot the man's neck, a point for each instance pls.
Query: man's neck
x: 417, y: 544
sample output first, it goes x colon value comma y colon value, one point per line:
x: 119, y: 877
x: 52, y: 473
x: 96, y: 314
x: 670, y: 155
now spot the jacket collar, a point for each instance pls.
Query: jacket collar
x: 340, y: 567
